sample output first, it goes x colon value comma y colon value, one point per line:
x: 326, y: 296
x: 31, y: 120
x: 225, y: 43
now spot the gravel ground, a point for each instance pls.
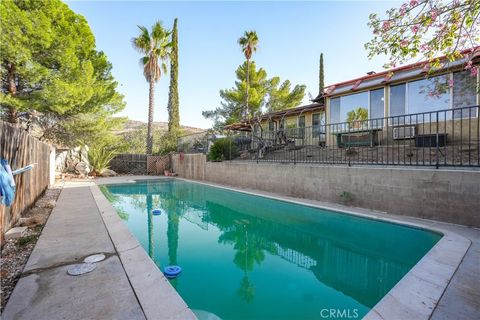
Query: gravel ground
x: 15, y: 252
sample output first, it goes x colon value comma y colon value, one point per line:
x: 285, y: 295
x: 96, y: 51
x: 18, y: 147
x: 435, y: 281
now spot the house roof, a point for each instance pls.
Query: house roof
x: 393, y: 75
x: 292, y: 111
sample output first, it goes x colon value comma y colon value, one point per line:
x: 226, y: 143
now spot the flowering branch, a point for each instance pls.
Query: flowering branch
x: 426, y: 29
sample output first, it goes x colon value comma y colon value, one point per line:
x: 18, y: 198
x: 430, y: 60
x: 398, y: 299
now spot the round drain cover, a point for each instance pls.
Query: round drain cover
x: 81, y: 268
x: 94, y: 258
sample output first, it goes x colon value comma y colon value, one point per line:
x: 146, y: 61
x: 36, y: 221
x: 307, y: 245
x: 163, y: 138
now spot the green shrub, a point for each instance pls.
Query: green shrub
x: 168, y: 143
x: 99, y: 157
x: 26, y: 240
x: 346, y: 197
x: 222, y: 149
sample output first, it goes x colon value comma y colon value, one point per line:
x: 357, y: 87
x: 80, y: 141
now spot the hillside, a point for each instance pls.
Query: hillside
x: 132, y: 125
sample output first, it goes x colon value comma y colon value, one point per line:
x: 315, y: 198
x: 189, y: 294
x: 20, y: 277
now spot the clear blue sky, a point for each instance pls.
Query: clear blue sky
x: 292, y: 35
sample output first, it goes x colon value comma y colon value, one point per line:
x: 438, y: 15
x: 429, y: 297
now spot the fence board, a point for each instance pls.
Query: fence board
x: 20, y: 149
x: 128, y: 163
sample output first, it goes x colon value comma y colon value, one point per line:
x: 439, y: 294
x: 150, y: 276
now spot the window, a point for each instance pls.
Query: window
x: 425, y: 95
x: 271, y: 126
x: 377, y: 103
x: 429, y: 94
x: 317, y: 123
x: 334, y: 110
x: 397, y: 100
x: 301, y: 126
x: 351, y: 103
x: 464, y: 94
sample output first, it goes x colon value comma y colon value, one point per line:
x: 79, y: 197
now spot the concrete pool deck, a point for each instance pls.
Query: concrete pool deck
x: 128, y: 285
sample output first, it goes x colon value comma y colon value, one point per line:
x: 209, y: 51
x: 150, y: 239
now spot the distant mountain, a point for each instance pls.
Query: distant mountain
x: 132, y: 125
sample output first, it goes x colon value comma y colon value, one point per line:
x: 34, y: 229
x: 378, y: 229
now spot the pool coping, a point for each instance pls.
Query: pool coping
x: 415, y: 296
x: 156, y: 296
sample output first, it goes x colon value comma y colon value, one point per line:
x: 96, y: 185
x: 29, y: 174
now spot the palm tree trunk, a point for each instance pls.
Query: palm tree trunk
x: 247, y: 80
x: 151, y: 252
x: 150, y: 117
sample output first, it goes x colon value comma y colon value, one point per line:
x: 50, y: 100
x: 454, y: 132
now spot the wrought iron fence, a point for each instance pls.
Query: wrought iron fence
x: 448, y: 137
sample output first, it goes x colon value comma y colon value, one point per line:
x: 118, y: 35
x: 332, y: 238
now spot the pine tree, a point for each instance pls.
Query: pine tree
x: 321, y: 81
x: 173, y: 100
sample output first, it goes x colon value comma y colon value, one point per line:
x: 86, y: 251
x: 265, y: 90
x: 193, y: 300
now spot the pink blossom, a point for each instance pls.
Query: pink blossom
x: 415, y: 29
x: 386, y: 26
x: 413, y: 3
x: 450, y: 83
x: 468, y: 66
x: 424, y: 47
x: 404, y: 43
x: 474, y: 71
x: 434, y: 14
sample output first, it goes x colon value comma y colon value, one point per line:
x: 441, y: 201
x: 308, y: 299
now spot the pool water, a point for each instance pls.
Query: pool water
x: 251, y: 257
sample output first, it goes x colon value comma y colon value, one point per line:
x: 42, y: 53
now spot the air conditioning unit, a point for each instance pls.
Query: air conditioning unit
x: 407, y: 132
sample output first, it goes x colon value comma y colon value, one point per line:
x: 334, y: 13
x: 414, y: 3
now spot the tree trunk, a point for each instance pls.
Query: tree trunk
x: 12, y: 90
x: 247, y: 81
x: 150, y: 117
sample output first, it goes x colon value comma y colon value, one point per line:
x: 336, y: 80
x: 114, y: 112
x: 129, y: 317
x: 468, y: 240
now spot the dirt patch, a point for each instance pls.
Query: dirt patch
x: 15, y: 252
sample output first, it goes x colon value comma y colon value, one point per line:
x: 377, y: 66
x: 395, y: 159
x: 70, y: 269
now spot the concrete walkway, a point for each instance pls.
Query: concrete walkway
x: 74, y: 230
x: 461, y: 299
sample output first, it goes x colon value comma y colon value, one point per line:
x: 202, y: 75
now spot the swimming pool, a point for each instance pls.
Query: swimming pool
x: 251, y: 257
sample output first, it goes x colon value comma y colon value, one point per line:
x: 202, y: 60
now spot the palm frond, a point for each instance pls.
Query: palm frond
x: 156, y: 47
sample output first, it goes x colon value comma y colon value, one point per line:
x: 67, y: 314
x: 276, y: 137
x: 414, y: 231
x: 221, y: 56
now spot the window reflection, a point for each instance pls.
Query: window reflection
x: 352, y: 102
x: 428, y: 95
x: 464, y: 93
x: 397, y: 100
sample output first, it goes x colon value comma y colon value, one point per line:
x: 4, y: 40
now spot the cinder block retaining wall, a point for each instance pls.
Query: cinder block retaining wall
x: 439, y: 194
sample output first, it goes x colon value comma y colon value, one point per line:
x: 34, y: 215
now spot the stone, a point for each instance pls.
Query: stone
x: 15, y: 233
x: 108, y: 173
x: 60, y: 160
x: 74, y: 161
x: 30, y: 221
x: 82, y: 168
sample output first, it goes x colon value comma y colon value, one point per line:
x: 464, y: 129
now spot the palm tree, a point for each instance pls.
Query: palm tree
x: 155, y: 48
x: 249, y: 43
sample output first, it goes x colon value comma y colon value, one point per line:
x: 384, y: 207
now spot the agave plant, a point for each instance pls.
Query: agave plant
x: 99, y: 157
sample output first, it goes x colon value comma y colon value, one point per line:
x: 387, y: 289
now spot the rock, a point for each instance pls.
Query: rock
x: 15, y: 233
x: 244, y: 155
x: 82, y: 168
x: 74, y: 161
x: 60, y: 160
x: 108, y: 173
x: 47, y: 203
x: 30, y: 221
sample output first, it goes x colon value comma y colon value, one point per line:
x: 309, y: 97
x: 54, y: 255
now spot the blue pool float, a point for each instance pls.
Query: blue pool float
x: 156, y: 212
x: 172, y: 271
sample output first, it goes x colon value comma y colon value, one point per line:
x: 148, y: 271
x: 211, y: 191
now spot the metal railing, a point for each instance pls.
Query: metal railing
x: 448, y: 137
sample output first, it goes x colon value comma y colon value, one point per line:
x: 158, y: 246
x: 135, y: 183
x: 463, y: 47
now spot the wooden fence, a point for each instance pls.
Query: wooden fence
x: 127, y: 163
x: 20, y: 149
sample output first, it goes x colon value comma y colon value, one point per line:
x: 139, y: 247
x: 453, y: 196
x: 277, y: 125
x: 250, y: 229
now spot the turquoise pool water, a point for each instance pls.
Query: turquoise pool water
x: 250, y: 257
